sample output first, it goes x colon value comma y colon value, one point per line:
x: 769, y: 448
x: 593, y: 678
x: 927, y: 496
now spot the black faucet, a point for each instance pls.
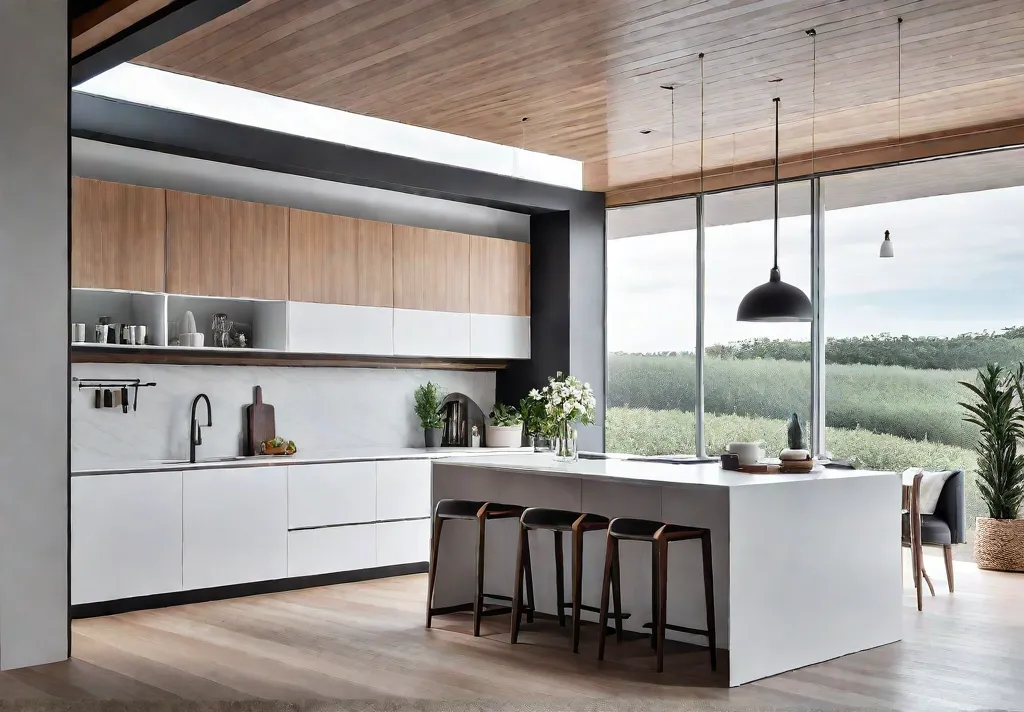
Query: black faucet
x: 195, y: 431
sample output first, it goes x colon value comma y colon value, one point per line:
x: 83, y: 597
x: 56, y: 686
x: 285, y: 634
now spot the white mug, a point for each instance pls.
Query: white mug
x: 748, y: 453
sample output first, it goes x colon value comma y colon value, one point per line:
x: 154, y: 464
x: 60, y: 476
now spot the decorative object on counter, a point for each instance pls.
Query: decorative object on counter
x: 795, y: 434
x: 505, y: 428
x: 474, y: 439
x: 460, y: 414
x: 730, y: 461
x: 106, y: 386
x: 795, y: 461
x: 428, y: 401
x: 997, y: 412
x: 748, y: 453
x: 567, y: 401
x: 278, y: 446
x: 260, y: 419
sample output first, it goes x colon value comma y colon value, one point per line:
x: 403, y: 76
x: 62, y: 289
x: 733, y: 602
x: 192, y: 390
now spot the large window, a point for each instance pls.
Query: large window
x: 652, y: 327
x: 755, y: 374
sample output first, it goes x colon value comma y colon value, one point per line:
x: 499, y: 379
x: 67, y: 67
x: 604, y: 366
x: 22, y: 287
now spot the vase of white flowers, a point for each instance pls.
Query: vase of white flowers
x: 567, y: 402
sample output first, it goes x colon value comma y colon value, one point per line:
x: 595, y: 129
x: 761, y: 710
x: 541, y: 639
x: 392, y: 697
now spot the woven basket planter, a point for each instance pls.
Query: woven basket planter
x: 999, y: 544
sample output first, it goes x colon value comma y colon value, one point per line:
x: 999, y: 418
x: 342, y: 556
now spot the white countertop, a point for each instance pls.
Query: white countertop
x: 110, y: 467
x: 709, y: 474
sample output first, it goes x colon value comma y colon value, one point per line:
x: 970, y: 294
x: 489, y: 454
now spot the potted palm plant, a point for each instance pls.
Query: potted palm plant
x: 505, y: 428
x: 428, y: 400
x: 997, y: 411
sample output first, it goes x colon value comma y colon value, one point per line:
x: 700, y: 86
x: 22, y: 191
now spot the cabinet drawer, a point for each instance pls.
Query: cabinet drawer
x: 323, y: 551
x: 403, y: 489
x: 403, y: 542
x: 334, y: 493
x: 125, y: 536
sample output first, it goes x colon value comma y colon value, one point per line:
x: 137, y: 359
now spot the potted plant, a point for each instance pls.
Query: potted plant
x: 505, y: 428
x: 997, y: 411
x: 534, y: 422
x: 428, y: 399
x: 567, y: 402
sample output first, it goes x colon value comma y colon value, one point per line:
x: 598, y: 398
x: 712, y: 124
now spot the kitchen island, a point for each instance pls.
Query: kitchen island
x: 806, y: 567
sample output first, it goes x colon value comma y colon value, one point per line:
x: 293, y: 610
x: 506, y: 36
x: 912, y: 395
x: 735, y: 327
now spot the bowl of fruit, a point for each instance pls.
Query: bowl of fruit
x: 278, y: 446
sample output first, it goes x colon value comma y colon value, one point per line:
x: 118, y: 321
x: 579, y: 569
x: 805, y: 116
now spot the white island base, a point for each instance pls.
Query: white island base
x: 807, y: 567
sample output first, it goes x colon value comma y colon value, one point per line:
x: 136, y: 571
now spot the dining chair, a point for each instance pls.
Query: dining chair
x: 943, y: 528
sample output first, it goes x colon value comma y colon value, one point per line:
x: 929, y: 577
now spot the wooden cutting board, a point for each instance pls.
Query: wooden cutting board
x: 261, y: 421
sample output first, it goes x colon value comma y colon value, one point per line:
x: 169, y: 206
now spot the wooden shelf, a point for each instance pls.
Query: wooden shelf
x: 209, y: 356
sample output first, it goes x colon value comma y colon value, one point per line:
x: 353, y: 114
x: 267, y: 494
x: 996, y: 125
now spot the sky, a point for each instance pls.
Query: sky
x: 958, y: 267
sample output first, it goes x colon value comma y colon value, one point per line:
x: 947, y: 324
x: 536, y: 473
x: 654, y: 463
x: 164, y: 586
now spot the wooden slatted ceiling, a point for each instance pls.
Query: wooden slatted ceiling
x: 588, y: 73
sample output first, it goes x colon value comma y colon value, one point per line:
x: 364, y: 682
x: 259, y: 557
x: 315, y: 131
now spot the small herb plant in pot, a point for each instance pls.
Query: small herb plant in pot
x: 997, y: 411
x: 505, y: 428
x: 429, y: 398
x: 534, y: 420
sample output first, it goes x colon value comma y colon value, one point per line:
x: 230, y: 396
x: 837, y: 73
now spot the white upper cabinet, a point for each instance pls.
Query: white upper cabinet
x: 437, y: 334
x: 499, y: 336
x: 340, y: 329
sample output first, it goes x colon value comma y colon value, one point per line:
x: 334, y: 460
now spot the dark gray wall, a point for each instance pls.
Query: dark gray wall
x: 34, y: 280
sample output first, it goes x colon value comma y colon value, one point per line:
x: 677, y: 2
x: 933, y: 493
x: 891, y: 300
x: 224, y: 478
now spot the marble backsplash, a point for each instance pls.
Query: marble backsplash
x: 319, y: 408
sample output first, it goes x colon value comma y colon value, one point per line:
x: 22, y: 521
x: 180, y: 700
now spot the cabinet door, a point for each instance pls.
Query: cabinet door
x: 403, y: 489
x: 330, y: 549
x: 332, y: 493
x: 117, y: 236
x: 259, y: 250
x: 340, y: 329
x: 436, y: 334
x: 499, y: 276
x: 499, y: 336
x: 235, y: 526
x: 431, y: 269
x: 198, y: 244
x: 403, y: 542
x: 125, y: 535
x: 339, y: 260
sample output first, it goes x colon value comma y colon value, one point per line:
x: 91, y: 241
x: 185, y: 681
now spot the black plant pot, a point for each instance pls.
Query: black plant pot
x: 432, y: 437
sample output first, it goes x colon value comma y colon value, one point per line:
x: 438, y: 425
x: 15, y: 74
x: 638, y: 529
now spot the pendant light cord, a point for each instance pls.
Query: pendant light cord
x: 701, y: 57
x: 776, y: 262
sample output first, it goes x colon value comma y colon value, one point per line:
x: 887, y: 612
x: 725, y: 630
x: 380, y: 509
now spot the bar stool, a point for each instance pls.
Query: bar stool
x: 481, y: 512
x: 559, y: 521
x: 659, y: 534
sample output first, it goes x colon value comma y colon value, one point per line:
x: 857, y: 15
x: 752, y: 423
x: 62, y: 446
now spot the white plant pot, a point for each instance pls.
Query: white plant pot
x: 503, y: 435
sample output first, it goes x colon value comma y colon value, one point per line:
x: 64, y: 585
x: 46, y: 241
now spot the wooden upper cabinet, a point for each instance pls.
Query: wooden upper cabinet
x: 198, y: 244
x: 339, y: 260
x: 431, y: 269
x: 259, y: 250
x: 499, y: 276
x: 219, y: 247
x: 117, y: 236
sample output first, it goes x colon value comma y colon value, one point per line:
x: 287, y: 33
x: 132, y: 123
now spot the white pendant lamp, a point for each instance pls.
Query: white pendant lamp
x: 775, y: 300
x: 886, y: 250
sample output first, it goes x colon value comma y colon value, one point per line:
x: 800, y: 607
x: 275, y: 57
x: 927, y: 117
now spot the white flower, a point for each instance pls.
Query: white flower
x: 567, y: 408
x: 535, y: 394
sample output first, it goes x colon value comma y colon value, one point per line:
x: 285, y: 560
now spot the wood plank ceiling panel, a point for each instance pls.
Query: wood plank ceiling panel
x: 588, y: 74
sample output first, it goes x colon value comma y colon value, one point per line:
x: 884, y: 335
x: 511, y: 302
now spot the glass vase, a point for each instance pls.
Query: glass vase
x: 563, y: 445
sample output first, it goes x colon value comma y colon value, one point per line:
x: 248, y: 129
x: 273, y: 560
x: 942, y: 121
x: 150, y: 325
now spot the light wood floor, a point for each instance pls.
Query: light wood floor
x: 366, y: 640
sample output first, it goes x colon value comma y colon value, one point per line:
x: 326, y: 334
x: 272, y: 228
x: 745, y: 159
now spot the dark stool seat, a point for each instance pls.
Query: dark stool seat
x: 481, y: 512
x: 659, y: 534
x: 560, y: 521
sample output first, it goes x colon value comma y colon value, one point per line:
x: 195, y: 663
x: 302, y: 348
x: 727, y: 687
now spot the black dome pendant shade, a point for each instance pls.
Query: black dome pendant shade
x: 775, y: 301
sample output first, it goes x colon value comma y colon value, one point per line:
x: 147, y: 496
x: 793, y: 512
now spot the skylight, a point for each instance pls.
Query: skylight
x: 167, y: 90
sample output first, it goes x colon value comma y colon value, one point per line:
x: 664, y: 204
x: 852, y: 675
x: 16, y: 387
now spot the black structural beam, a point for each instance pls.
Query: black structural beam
x: 161, y: 27
x: 567, y: 226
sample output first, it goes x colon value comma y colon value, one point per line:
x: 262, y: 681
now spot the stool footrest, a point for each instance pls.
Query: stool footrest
x: 595, y: 609
x: 679, y: 629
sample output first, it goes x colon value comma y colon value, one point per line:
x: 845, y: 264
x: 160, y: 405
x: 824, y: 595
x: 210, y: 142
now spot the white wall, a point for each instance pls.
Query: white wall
x: 321, y: 409
x: 108, y: 161
x: 33, y: 366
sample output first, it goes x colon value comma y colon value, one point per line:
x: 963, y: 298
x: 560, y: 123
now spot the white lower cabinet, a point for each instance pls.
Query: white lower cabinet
x: 405, y: 542
x: 330, y: 549
x: 331, y: 493
x: 234, y: 526
x: 403, y: 489
x: 125, y: 535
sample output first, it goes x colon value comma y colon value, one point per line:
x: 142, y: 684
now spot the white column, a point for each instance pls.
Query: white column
x: 34, y: 358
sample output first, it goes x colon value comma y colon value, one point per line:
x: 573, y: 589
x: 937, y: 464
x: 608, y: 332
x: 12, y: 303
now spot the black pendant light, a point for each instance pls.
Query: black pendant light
x: 775, y: 300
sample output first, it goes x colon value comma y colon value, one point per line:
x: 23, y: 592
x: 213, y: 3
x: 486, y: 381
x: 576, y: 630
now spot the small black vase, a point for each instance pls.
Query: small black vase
x: 432, y: 437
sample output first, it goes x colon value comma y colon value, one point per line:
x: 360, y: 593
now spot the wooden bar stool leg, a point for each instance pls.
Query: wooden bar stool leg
x: 559, y: 579
x: 528, y: 565
x: 654, y: 596
x: 709, y: 596
x: 478, y: 599
x: 577, y: 586
x: 606, y: 582
x: 517, y: 593
x: 435, y: 543
x: 617, y: 590
x: 662, y: 547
